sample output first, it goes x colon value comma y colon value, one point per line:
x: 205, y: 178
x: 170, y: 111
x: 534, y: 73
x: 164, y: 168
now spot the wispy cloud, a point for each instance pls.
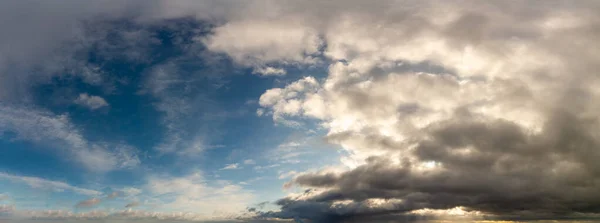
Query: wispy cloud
x: 88, y: 203
x: 39, y: 126
x: 43, y: 184
x: 132, y: 204
x: 232, y: 166
x: 249, y: 162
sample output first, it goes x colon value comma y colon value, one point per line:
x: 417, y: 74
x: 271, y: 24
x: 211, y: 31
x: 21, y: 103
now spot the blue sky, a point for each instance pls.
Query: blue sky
x: 298, y: 111
x: 170, y: 110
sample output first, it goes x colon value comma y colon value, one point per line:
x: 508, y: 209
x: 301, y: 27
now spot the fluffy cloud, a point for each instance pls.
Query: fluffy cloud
x: 90, y: 101
x: 58, y: 131
x: 258, y: 43
x: 486, y: 106
x: 483, y: 106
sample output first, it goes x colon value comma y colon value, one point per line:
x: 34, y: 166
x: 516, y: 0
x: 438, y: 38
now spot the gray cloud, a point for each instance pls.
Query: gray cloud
x: 132, y: 204
x: 487, y: 128
x: 489, y: 106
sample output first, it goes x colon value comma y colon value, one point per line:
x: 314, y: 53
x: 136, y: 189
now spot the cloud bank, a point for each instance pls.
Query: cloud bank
x: 485, y: 106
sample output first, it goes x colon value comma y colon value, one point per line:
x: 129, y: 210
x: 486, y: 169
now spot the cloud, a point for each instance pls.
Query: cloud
x: 88, y: 203
x: 493, y: 101
x: 132, y: 204
x: 249, y: 162
x: 269, y: 71
x: 114, y: 195
x: 183, y: 98
x: 39, y: 126
x: 287, y: 174
x: 199, y: 197
x: 91, y: 102
x: 232, y: 166
x: 131, y: 191
x: 5, y: 208
x: 258, y: 43
x: 439, y: 112
x: 56, y: 186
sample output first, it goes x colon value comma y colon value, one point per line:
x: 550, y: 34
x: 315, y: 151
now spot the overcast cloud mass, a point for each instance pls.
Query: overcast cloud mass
x: 299, y: 111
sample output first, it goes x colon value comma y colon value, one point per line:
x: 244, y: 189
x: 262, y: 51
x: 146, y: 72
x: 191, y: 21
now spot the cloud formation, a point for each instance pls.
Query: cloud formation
x: 447, y: 105
x: 487, y: 107
x: 232, y: 166
x: 57, y: 131
x: 90, y: 101
x: 88, y: 203
x: 39, y: 183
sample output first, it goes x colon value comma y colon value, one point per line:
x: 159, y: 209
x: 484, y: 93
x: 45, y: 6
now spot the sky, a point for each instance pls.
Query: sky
x: 299, y: 111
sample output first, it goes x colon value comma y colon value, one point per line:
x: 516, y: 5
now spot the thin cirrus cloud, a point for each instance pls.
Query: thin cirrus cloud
x: 41, y: 126
x: 231, y: 166
x: 50, y: 185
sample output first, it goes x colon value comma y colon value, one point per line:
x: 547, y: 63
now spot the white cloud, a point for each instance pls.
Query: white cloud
x: 232, y: 166
x: 287, y: 174
x: 269, y: 71
x: 249, y: 162
x: 58, y: 131
x: 131, y: 191
x: 43, y: 184
x: 257, y: 43
x: 259, y: 168
x: 90, y: 101
x: 193, y: 194
x: 287, y: 101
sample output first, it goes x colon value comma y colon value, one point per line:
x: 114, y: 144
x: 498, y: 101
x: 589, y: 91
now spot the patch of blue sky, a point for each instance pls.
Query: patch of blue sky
x: 223, y: 99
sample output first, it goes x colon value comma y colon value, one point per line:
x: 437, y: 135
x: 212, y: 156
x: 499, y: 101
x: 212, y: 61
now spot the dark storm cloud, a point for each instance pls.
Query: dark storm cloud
x: 505, y: 172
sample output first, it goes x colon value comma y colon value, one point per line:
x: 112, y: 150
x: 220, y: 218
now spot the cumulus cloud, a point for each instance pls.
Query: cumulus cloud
x: 57, y: 130
x: 449, y: 105
x: 258, y: 43
x: 482, y: 106
x: 90, y: 101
